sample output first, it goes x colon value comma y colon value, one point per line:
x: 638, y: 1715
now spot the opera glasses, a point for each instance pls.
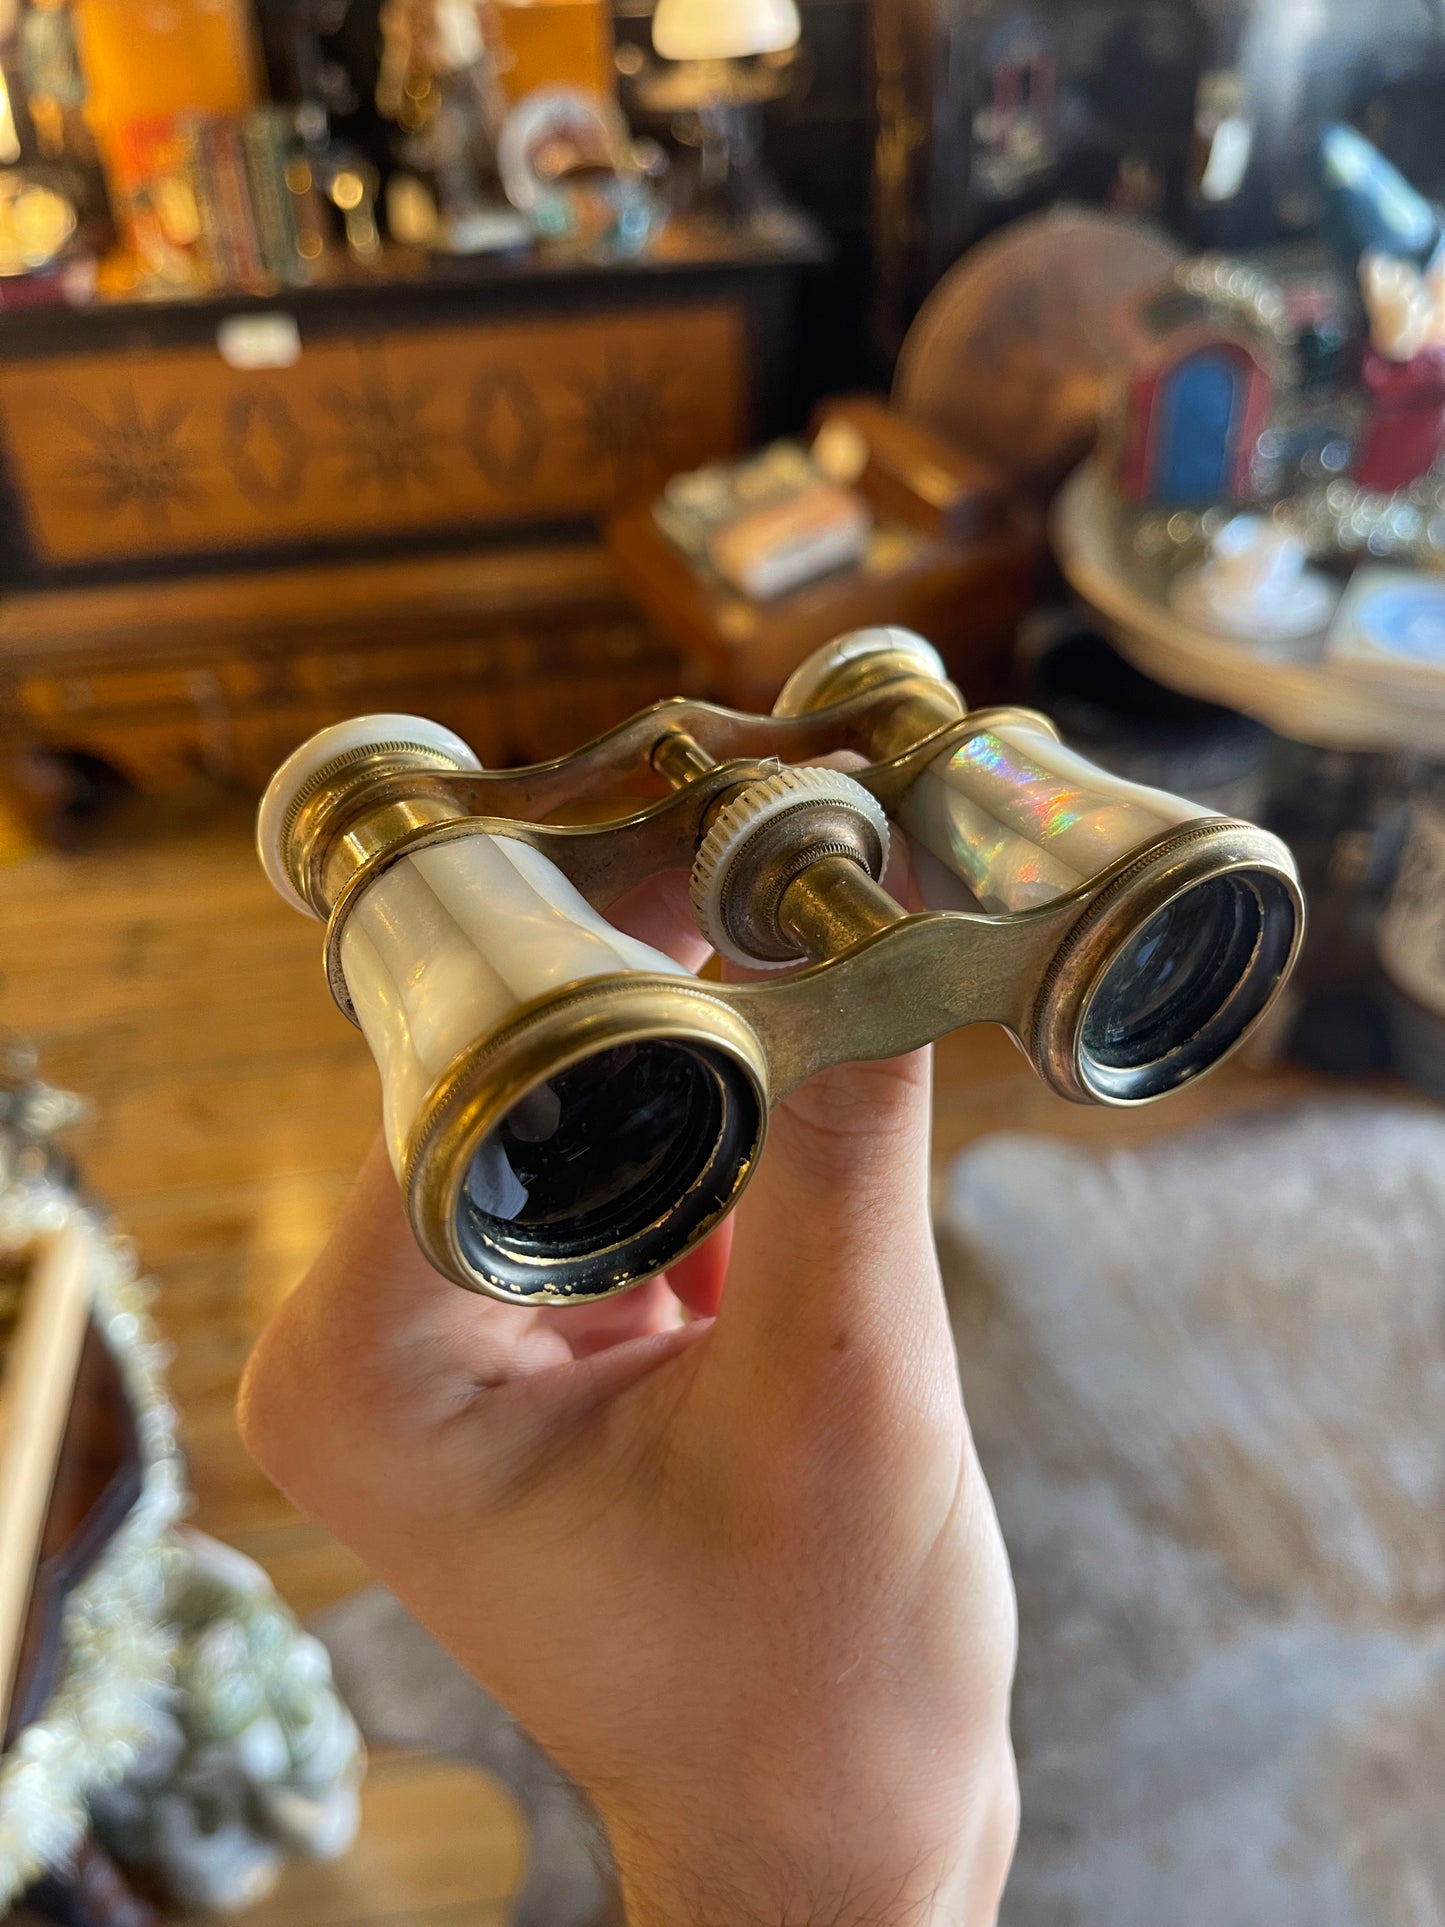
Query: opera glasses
x: 569, y: 1111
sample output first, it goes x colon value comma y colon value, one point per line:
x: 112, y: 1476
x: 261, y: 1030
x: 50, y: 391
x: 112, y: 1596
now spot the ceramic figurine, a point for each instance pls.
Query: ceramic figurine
x: 252, y: 1758
x: 1400, y: 304
x: 1403, y: 373
x: 1255, y: 584
x: 439, y: 83
x: 53, y: 79
x: 1370, y: 208
x: 570, y: 165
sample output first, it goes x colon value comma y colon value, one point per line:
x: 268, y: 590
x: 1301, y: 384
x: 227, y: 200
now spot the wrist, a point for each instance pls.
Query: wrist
x: 774, y: 1896
x: 786, y: 1901
x: 715, y: 1880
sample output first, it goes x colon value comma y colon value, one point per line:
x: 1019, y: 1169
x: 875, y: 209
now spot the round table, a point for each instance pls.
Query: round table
x: 1291, y: 685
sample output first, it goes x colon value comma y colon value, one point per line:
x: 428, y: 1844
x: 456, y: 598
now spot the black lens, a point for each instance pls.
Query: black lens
x: 606, y: 1171
x: 1184, y: 990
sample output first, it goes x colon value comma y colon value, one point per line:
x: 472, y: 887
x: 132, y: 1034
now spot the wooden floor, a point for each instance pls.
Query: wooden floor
x: 161, y: 977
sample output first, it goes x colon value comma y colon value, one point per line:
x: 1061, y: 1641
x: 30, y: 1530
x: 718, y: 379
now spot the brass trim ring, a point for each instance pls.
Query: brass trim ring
x: 561, y: 1030
x: 1118, y: 912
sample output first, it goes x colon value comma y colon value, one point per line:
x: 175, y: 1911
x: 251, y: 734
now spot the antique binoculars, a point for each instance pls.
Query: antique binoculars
x: 569, y: 1110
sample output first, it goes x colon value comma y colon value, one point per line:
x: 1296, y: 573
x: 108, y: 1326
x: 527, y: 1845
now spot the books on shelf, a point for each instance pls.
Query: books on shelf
x: 266, y: 139
x: 223, y: 200
x: 204, y: 203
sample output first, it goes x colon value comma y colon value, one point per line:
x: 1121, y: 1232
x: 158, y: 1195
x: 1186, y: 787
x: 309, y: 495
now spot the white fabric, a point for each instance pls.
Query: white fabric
x: 1208, y: 1384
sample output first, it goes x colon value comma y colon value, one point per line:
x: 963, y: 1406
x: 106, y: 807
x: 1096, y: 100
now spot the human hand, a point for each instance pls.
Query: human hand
x: 741, y: 1576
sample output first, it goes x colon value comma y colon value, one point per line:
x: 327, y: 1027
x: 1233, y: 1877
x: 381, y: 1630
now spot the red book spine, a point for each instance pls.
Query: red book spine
x: 227, y: 171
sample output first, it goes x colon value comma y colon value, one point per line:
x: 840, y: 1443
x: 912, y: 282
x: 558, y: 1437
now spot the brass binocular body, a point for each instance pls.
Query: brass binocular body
x: 569, y: 1111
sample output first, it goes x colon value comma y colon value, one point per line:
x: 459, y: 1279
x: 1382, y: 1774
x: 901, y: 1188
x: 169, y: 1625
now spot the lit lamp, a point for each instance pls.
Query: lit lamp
x: 708, y: 40
x: 724, y: 29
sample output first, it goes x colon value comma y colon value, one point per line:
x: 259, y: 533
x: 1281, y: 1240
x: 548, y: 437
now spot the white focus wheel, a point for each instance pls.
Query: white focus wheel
x: 321, y: 756
x: 829, y: 813
x: 807, y: 687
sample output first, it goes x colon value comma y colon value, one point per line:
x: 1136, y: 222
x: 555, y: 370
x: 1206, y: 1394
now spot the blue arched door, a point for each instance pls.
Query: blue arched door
x: 1200, y: 407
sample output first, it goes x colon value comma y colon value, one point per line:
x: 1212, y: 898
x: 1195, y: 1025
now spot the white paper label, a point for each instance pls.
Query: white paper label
x: 249, y: 341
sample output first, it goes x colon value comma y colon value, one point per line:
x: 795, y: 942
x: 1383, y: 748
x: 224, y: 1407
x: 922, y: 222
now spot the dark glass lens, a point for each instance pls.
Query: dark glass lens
x: 632, y: 1148
x: 1186, y: 988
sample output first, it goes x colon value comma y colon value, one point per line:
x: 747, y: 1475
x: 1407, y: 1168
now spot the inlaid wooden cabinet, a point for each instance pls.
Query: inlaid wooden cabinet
x: 219, y: 539
x: 168, y: 452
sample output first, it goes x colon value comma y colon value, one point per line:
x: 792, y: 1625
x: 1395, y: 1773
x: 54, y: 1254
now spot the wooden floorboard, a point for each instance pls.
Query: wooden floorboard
x: 161, y: 977
x: 440, y: 1846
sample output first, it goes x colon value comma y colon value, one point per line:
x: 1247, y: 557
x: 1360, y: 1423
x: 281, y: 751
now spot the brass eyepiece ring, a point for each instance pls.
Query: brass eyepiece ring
x: 672, y: 1030
x: 1237, y: 886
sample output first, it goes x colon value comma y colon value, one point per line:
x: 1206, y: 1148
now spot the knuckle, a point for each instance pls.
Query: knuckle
x: 268, y: 1409
x: 854, y: 1427
x: 826, y: 1119
x: 305, y: 1411
x: 304, y: 1424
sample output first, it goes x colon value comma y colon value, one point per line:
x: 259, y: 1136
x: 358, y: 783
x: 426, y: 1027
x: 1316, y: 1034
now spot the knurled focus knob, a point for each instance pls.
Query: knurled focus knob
x: 763, y: 841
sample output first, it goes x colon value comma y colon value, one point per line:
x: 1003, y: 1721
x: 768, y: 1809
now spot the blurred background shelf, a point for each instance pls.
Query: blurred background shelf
x: 489, y: 398
x: 193, y: 576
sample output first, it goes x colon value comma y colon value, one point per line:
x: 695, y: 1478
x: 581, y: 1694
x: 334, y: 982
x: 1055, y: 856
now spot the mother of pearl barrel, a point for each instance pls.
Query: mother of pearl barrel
x: 1022, y: 820
x: 449, y: 944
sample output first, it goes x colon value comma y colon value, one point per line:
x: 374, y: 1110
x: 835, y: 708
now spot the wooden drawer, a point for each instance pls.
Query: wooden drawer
x: 526, y: 653
x: 169, y: 452
x: 102, y: 690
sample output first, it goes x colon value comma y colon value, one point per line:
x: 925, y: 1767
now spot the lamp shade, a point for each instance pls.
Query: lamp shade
x: 723, y: 29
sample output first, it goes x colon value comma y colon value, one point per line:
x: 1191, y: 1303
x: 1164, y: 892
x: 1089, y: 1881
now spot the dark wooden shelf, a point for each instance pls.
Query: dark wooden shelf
x: 409, y: 286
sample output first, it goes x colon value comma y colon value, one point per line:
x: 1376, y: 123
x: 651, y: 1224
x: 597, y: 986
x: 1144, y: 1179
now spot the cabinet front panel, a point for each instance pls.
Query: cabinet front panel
x: 173, y: 453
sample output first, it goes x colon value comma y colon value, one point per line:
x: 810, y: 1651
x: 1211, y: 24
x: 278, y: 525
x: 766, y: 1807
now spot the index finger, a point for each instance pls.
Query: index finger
x: 659, y: 912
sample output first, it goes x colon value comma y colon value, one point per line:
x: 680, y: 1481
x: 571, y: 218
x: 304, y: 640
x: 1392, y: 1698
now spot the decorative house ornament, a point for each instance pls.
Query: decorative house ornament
x: 1261, y: 427
x: 1207, y: 356
x: 1227, y: 405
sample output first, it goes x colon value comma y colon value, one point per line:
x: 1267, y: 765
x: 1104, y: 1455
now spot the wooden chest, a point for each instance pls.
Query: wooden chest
x: 229, y: 522
x: 526, y: 652
x: 168, y: 452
